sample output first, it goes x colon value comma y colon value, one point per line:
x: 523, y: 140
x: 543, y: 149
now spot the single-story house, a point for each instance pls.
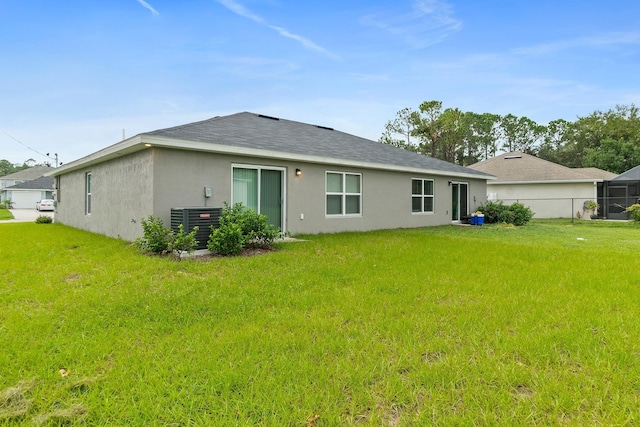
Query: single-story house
x: 305, y: 178
x: 26, y: 187
x: 619, y: 193
x: 549, y: 189
x: 23, y: 175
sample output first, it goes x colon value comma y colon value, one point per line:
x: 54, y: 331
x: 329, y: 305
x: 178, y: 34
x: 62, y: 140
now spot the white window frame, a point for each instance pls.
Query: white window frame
x: 423, y: 195
x: 88, y: 190
x: 283, y: 189
x: 343, y: 194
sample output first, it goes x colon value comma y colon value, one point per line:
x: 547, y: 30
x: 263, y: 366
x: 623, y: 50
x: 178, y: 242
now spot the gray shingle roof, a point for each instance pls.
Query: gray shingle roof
x: 632, y: 174
x: 249, y: 130
x: 41, y: 183
x: 30, y: 173
x: 521, y: 167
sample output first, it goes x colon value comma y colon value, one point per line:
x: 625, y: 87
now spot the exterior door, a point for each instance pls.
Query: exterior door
x: 459, y: 200
x: 617, y: 202
x: 260, y: 189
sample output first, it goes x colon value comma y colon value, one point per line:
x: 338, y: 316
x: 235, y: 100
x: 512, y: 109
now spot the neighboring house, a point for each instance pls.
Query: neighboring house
x: 549, y: 189
x: 23, y: 175
x: 619, y: 193
x: 26, y: 194
x: 304, y: 178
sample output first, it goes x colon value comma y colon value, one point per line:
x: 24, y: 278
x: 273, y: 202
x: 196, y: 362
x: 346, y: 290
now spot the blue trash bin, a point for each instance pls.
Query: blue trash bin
x: 480, y: 219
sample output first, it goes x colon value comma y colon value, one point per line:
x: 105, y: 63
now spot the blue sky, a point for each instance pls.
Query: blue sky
x: 76, y: 73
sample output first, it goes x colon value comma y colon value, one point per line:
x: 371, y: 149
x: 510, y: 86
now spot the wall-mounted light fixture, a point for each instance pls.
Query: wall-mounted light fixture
x: 449, y: 183
x: 298, y: 172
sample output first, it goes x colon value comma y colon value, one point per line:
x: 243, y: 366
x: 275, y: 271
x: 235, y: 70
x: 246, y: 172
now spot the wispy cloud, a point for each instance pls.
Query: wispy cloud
x: 427, y: 23
x: 240, y: 10
x: 148, y: 6
x: 612, y: 39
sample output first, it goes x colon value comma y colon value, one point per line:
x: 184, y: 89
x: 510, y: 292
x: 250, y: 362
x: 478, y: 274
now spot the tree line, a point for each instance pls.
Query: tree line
x: 607, y: 140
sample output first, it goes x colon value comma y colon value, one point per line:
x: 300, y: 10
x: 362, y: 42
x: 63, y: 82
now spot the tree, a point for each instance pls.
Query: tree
x: 484, y: 132
x: 520, y: 134
x: 7, y: 168
x: 405, y: 124
x: 429, y: 127
x: 453, y: 132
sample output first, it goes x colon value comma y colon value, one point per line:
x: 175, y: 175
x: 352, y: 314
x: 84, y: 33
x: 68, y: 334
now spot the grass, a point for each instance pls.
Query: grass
x: 493, y: 325
x: 5, y: 214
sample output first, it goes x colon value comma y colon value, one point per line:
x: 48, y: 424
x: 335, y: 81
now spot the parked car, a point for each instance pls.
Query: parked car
x: 45, y: 205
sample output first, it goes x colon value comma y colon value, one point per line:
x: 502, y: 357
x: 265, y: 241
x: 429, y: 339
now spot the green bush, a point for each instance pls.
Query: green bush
x: 44, y: 219
x: 492, y: 211
x: 155, y: 238
x: 182, y: 242
x: 160, y: 240
x: 521, y: 214
x: 227, y: 239
x: 516, y: 213
x: 634, y: 210
x: 240, y: 228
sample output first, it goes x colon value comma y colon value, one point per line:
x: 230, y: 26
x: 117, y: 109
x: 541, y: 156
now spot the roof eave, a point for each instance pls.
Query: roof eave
x: 552, y: 181
x: 144, y: 141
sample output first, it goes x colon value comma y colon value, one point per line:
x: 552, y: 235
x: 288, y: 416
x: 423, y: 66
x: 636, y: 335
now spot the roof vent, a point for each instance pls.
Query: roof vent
x: 324, y: 127
x: 513, y: 157
x: 268, y: 117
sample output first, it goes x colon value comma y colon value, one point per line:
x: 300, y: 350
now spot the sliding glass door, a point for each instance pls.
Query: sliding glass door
x: 260, y: 189
x: 459, y: 200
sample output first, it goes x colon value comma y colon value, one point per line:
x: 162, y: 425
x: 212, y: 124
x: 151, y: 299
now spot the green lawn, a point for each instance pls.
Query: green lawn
x: 538, y: 325
x: 5, y: 214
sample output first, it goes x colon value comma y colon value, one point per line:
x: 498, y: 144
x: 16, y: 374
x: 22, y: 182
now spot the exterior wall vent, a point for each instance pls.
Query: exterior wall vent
x: 203, y: 217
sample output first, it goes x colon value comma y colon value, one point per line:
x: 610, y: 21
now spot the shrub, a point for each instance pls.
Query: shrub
x: 227, y: 239
x: 160, y: 240
x: 492, y: 211
x: 521, y: 214
x: 44, y: 219
x: 240, y: 228
x: 182, y: 242
x: 634, y: 210
x: 516, y: 214
x: 155, y: 238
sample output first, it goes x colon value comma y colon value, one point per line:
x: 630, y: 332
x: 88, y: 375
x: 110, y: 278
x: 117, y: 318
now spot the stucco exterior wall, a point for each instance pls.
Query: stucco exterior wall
x: 122, y: 194
x: 547, y: 200
x: 180, y: 178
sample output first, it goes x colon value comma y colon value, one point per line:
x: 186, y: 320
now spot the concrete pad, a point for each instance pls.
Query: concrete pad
x: 26, y: 215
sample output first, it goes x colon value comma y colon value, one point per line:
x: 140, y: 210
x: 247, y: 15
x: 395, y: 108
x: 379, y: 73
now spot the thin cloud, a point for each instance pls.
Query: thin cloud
x: 148, y: 6
x: 427, y: 23
x: 613, y: 39
x: 242, y: 11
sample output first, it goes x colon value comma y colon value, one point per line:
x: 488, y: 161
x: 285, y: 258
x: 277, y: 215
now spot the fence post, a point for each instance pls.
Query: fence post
x: 572, y: 210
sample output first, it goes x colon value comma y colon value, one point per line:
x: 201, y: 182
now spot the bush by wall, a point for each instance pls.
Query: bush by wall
x: 44, y: 219
x: 634, y: 210
x: 516, y: 213
x: 240, y: 228
x: 159, y: 240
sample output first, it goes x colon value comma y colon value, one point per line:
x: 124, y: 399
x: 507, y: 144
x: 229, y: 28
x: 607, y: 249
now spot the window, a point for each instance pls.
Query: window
x: 422, y: 195
x: 343, y: 193
x: 87, y: 202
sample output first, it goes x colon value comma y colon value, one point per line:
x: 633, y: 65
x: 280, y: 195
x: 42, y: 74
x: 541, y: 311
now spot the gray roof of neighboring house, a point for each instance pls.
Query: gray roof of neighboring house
x: 630, y: 175
x: 40, y: 183
x: 255, y: 131
x: 521, y: 167
x: 27, y: 174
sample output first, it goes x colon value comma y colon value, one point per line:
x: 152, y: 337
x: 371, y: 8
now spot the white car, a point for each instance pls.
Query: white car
x: 45, y: 205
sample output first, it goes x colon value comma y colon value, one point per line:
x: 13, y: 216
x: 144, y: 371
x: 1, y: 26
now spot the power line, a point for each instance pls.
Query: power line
x: 33, y: 149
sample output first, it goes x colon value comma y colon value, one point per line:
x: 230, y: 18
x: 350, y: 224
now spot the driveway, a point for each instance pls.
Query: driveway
x: 26, y: 215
